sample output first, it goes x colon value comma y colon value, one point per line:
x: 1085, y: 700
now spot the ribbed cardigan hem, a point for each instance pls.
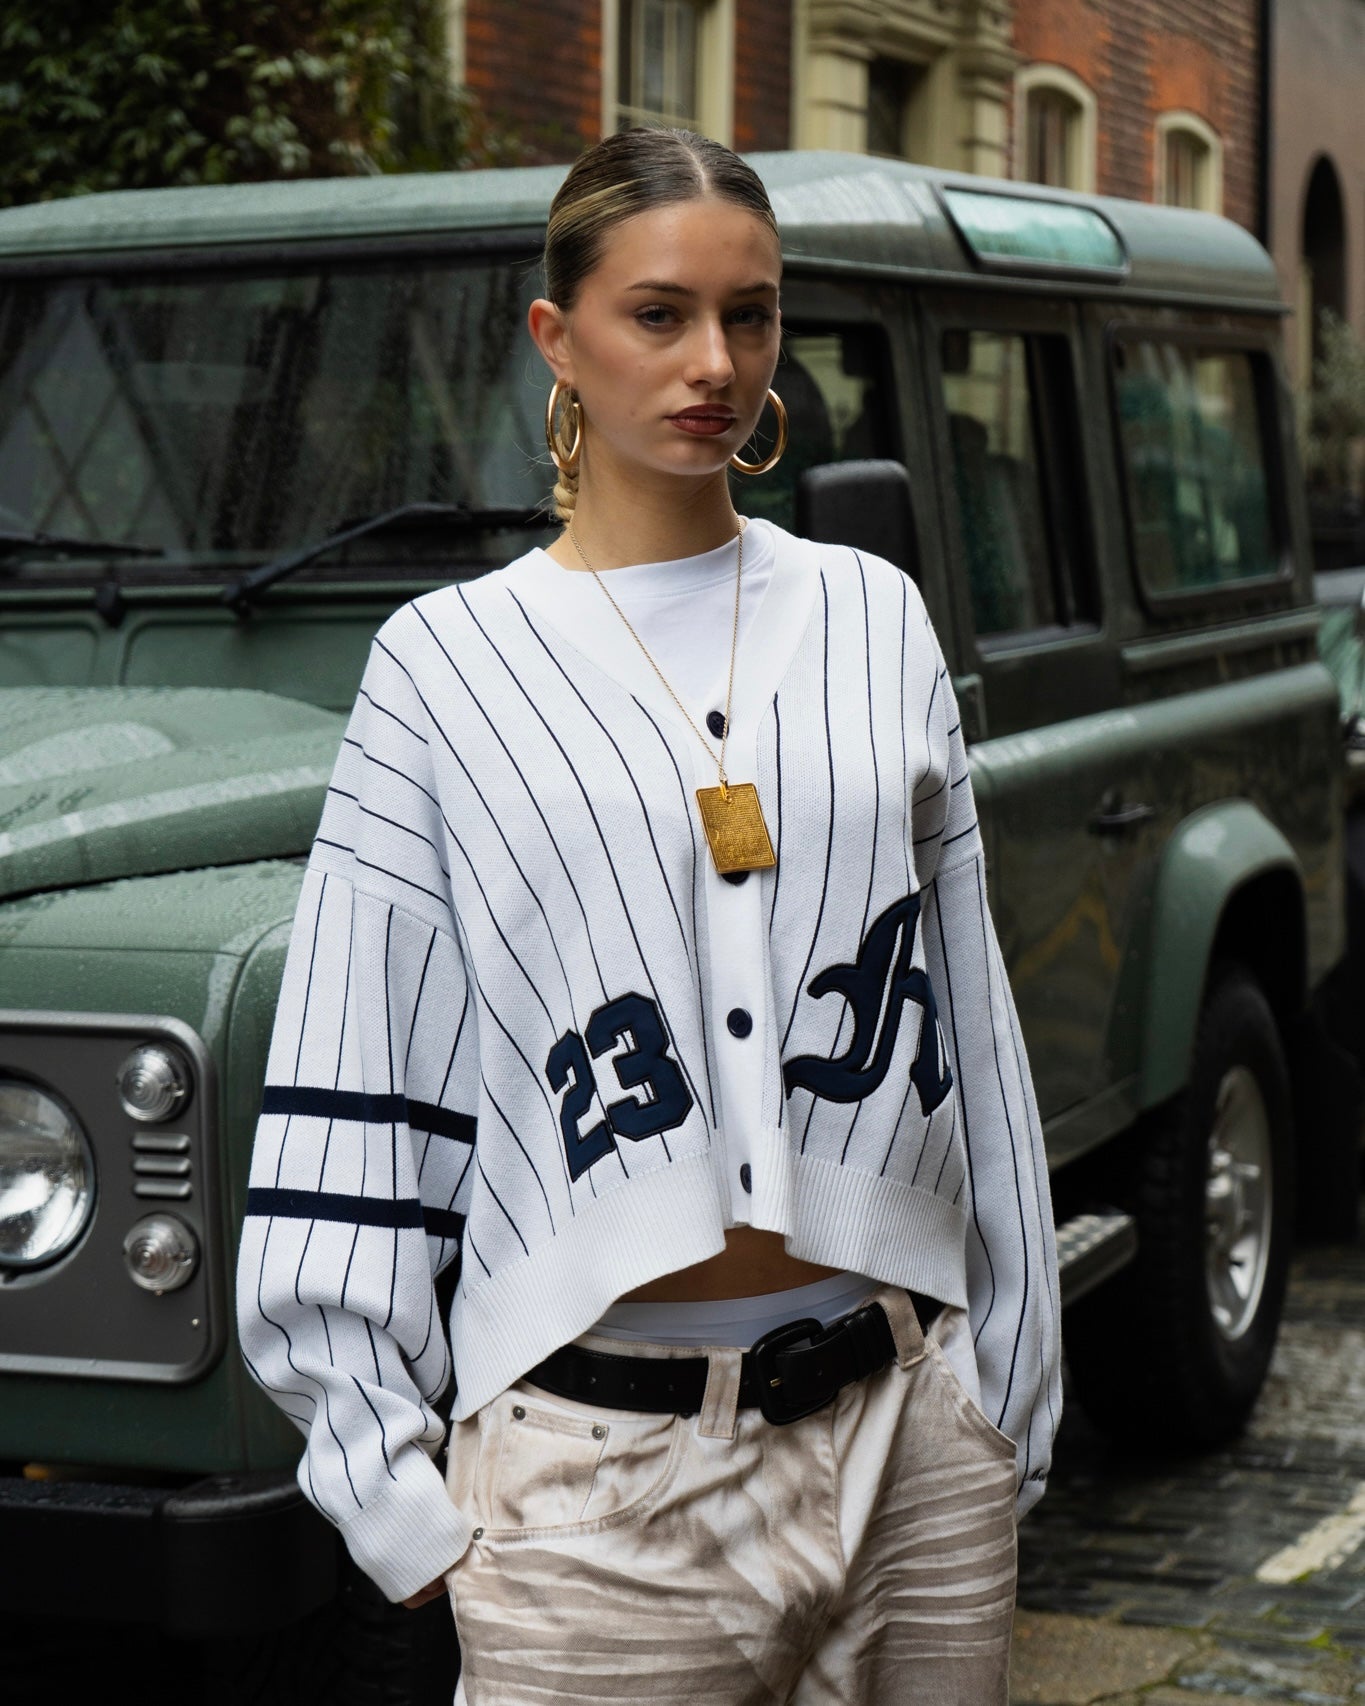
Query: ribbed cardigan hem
x: 413, y: 1533
x: 674, y: 1218
x: 891, y: 1231
x: 843, y: 1217
x: 650, y: 1225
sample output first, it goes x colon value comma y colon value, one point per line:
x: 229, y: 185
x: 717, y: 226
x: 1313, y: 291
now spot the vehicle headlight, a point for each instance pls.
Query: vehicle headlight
x: 47, y: 1176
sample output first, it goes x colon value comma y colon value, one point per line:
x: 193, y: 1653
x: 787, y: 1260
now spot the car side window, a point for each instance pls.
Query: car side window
x: 834, y: 385
x: 1199, y: 502
x: 1021, y: 564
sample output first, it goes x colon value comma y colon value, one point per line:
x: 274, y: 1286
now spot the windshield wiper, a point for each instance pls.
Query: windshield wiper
x: 453, y: 518
x: 12, y: 543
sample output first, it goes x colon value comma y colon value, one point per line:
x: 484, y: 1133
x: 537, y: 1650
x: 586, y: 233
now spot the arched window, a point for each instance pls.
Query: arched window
x: 1189, y: 162
x: 1055, y: 128
x: 1322, y: 266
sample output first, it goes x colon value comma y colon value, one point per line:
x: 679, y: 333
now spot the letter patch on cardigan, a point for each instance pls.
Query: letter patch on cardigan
x: 877, y: 986
x: 646, y: 1064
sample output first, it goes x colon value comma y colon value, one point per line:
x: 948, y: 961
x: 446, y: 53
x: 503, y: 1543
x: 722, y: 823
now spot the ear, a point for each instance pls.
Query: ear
x: 550, y: 333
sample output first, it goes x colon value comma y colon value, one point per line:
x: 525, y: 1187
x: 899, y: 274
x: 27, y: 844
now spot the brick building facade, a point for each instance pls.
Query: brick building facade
x: 763, y: 75
x: 550, y: 71
x: 1316, y: 189
x: 1142, y: 61
x: 535, y: 66
x: 1156, y: 99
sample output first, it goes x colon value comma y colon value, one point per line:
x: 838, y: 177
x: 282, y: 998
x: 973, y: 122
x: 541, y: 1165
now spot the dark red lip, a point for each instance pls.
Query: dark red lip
x: 704, y: 420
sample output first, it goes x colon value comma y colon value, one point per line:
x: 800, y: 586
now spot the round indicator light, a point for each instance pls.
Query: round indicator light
x: 153, y: 1083
x: 161, y: 1253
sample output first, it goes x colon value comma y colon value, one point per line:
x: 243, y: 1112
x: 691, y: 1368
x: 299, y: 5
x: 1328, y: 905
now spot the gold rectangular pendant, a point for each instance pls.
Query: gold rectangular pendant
x: 735, y: 828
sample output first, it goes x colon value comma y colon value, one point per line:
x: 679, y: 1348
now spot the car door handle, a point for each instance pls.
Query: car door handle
x: 1114, y: 819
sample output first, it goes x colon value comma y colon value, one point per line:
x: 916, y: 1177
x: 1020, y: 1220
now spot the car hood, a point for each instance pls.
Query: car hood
x: 105, y: 782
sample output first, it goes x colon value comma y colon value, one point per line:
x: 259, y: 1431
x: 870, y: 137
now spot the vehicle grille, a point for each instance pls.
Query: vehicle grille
x: 161, y: 1166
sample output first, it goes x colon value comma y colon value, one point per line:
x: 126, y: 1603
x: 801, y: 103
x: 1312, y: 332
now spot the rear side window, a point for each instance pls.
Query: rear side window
x: 1007, y: 434
x: 834, y: 386
x: 1199, y: 501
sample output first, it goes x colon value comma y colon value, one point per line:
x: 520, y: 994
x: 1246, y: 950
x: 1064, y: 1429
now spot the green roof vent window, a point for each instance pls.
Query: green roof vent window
x: 1013, y: 233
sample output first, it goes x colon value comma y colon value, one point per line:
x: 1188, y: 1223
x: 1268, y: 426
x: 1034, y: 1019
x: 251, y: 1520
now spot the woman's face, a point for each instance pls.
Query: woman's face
x: 672, y: 340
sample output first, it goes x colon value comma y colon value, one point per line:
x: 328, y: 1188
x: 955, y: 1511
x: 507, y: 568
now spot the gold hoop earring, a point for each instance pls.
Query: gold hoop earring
x: 774, y: 456
x: 566, y: 460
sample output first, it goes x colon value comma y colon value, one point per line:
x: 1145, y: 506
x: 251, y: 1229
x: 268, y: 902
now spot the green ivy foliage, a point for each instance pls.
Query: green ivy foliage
x: 1333, y: 413
x: 141, y: 93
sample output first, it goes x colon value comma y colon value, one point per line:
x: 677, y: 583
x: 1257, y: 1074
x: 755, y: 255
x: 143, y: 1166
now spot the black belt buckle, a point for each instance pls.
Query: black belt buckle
x: 773, y: 1403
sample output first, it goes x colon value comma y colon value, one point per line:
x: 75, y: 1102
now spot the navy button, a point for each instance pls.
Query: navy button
x: 739, y: 1022
x: 735, y: 876
x: 715, y: 721
x: 746, y: 1178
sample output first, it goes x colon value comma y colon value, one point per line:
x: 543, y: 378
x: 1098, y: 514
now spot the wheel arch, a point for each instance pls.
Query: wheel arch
x: 1229, y: 887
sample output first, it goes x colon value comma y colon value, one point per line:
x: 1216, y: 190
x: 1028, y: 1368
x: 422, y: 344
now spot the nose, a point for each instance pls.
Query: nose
x: 708, y: 356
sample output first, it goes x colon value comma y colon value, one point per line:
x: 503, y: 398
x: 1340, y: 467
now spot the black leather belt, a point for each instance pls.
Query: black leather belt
x: 790, y: 1372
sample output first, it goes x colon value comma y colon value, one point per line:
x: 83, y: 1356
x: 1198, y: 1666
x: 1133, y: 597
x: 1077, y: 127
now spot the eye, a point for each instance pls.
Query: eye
x: 753, y: 315
x: 656, y: 314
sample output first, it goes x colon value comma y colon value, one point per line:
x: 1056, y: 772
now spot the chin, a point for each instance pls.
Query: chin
x: 677, y: 455
x: 695, y: 463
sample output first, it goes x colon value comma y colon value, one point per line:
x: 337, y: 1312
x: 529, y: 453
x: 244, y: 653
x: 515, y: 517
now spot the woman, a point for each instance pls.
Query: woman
x: 643, y: 970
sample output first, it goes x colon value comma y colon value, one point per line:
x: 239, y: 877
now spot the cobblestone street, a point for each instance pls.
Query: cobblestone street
x: 1155, y: 1581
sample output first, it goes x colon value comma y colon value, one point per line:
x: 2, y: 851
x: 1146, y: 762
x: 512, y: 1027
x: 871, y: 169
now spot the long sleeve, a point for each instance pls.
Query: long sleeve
x: 364, y: 1153
x: 1011, y: 1251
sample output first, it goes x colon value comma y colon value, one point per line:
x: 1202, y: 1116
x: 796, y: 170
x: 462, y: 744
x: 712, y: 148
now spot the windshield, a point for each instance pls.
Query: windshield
x: 222, y: 418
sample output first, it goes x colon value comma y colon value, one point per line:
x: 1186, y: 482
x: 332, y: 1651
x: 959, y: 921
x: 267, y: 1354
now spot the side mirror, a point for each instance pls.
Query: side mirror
x: 862, y: 504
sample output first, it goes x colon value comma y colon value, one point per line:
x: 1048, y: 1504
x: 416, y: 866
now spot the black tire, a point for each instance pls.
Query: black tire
x: 1172, y: 1352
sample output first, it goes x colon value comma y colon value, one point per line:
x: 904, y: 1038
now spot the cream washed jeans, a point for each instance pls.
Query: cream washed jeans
x: 863, y: 1556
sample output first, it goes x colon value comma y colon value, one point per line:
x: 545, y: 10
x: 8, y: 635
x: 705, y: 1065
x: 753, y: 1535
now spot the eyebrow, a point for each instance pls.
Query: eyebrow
x: 660, y: 287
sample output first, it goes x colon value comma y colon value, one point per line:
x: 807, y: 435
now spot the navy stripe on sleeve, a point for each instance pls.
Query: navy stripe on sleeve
x: 334, y: 1205
x: 285, y: 1204
x: 441, y: 1122
x: 367, y: 1108
x: 323, y: 1104
x: 442, y: 1222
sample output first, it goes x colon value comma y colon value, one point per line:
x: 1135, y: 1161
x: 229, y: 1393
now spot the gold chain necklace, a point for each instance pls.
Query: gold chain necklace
x: 731, y: 816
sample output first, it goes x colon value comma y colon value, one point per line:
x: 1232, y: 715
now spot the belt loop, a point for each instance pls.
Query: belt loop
x: 905, y: 1327
x: 721, y: 1398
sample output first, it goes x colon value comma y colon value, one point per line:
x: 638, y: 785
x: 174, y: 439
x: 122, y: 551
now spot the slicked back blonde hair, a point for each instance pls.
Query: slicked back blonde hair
x: 625, y: 174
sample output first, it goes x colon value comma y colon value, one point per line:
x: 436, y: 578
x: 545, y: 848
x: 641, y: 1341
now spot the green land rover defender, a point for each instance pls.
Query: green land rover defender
x: 239, y: 425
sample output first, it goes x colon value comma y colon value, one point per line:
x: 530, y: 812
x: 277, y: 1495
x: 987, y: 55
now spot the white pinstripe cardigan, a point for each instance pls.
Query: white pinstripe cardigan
x: 502, y: 1043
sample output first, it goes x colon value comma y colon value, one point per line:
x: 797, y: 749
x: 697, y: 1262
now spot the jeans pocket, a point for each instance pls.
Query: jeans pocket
x: 556, y: 1465
x: 464, y: 1449
x: 971, y: 1413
